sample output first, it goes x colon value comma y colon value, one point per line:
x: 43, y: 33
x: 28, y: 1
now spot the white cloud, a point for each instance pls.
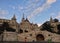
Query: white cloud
x: 20, y: 7
x: 13, y: 7
x: 39, y: 25
x: 52, y: 14
x: 2, y: 17
x: 3, y: 12
x: 29, y: 5
x: 58, y: 15
x: 37, y: 0
x: 46, y: 5
x: 32, y: 3
x: 0, y: 8
x: 50, y: 1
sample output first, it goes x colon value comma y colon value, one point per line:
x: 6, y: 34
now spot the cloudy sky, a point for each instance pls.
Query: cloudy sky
x: 37, y: 11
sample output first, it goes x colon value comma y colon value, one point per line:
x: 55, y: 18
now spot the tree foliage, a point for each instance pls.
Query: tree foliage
x: 46, y: 26
x: 56, y: 20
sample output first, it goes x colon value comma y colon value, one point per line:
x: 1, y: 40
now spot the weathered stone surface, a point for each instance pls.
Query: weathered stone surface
x: 30, y: 36
x: 10, y: 36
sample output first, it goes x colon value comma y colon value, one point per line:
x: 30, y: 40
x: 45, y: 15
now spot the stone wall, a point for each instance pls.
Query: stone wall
x: 30, y: 36
x: 10, y: 36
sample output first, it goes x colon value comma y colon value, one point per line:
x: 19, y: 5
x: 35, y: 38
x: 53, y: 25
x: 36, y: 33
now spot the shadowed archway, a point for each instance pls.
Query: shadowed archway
x: 39, y: 37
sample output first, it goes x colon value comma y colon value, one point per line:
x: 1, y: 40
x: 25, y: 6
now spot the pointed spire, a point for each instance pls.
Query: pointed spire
x: 51, y: 20
x: 27, y: 19
x: 23, y: 16
x: 14, y: 17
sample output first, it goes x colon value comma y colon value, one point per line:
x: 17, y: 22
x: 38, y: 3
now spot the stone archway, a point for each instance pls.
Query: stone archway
x: 39, y: 37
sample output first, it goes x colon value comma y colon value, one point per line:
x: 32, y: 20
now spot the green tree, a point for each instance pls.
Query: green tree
x: 47, y: 26
x: 49, y: 41
x: 56, y: 20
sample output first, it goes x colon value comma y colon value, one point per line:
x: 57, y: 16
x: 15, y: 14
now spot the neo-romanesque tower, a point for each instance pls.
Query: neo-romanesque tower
x: 14, y: 24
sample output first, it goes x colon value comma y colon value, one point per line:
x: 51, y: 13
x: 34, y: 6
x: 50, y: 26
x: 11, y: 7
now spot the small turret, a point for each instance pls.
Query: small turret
x: 14, y: 23
x: 51, y: 20
x: 23, y: 18
x: 14, y: 17
x: 27, y: 19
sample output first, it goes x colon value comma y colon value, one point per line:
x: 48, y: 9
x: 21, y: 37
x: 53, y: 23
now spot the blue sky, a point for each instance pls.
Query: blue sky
x: 37, y: 11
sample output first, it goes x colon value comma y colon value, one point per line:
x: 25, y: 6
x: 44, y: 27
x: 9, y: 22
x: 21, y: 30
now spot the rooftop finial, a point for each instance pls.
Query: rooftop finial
x: 23, y: 15
x: 51, y: 20
x: 14, y: 17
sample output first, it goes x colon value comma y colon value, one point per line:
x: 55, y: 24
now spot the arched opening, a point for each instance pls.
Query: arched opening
x: 20, y: 31
x: 40, y: 37
x: 26, y: 31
